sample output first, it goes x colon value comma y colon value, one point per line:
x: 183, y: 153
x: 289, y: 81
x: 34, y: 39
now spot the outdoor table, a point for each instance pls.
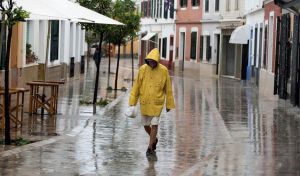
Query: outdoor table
x: 14, y: 108
x: 36, y: 97
x: 21, y: 92
x: 56, y: 89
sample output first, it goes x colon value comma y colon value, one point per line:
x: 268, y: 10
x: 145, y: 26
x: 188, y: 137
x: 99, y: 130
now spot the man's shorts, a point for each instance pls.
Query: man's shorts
x: 147, y: 120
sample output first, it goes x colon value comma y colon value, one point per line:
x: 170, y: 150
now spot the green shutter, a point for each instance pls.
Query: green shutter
x: 201, y: 47
x: 193, y: 45
x: 208, y: 48
x: 54, y: 40
x: 164, y: 50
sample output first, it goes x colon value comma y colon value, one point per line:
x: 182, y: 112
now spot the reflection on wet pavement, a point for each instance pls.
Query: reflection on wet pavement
x: 220, y: 127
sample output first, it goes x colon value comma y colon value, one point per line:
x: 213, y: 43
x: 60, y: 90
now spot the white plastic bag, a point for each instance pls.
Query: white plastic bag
x: 131, y: 112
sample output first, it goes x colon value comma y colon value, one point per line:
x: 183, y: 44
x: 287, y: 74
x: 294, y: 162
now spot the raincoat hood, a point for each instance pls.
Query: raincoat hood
x: 154, y: 55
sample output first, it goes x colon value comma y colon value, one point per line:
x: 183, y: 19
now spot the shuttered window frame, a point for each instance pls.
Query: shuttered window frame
x: 193, y: 48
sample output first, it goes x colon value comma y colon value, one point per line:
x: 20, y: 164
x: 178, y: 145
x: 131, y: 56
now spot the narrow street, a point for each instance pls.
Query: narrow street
x: 219, y: 127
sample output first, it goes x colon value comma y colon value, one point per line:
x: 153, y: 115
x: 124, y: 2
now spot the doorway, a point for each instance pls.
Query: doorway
x: 218, y: 52
x: 182, y: 48
x: 229, y: 57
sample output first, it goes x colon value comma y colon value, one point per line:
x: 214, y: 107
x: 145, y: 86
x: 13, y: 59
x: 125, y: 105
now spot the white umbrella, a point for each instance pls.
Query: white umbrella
x: 40, y: 11
x: 240, y: 35
x: 63, y: 10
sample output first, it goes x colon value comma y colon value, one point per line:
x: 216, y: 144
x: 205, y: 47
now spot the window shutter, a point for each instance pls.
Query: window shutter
x: 217, y: 5
x: 54, y: 40
x: 208, y: 48
x: 193, y: 45
x: 166, y: 9
x: 164, y: 50
x: 142, y: 9
x: 172, y: 9
x: 149, y: 8
x: 201, y: 47
x: 160, y: 8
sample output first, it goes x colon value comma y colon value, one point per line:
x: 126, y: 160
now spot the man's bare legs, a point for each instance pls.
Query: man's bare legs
x: 147, y: 129
x: 152, y: 132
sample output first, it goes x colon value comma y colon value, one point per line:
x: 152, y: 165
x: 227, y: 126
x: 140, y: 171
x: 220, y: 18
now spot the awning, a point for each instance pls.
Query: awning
x: 63, y: 10
x: 292, y: 5
x: 148, y: 36
x: 240, y: 35
x: 39, y: 11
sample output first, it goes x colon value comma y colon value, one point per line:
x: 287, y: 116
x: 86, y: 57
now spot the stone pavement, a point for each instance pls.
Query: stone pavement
x: 70, y: 112
x: 220, y: 127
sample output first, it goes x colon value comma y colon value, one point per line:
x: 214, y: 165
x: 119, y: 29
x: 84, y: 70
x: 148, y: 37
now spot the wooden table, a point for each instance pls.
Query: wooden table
x: 38, y: 89
x: 14, y: 108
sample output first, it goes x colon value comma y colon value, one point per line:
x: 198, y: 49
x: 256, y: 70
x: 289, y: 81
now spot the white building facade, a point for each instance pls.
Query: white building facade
x: 66, y: 47
x: 255, y: 20
x: 157, y: 29
x: 231, y: 55
x: 212, y: 10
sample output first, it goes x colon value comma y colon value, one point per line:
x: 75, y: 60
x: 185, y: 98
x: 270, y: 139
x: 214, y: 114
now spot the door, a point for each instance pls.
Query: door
x: 218, y: 52
x: 230, y: 63
x: 244, y: 61
x: 182, y: 48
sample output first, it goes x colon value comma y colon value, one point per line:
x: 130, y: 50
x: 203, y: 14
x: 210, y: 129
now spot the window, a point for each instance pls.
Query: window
x: 166, y: 9
x: 208, y: 48
x: 183, y: 3
x: 160, y: 8
x: 164, y: 49
x: 193, y: 45
x: 195, y: 3
x: 142, y: 9
x: 265, y: 47
x: 157, y: 8
x: 30, y: 54
x: 151, y: 9
x: 171, y: 9
x: 159, y: 45
x: 171, y: 40
x: 201, y: 47
x: 236, y: 5
x: 54, y: 40
x: 154, y: 8
x: 260, y: 51
x: 217, y: 5
x: 145, y: 8
x: 206, y: 5
x: 227, y: 5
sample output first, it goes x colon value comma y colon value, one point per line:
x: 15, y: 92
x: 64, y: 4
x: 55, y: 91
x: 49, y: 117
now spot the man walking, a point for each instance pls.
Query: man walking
x: 96, y: 56
x: 152, y: 88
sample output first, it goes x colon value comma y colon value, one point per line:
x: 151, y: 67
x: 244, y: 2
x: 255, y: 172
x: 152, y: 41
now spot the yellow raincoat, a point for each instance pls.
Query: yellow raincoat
x: 152, y: 88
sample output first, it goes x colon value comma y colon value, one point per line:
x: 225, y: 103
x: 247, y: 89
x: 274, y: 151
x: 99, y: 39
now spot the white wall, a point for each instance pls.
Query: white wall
x: 253, y: 5
x: 162, y: 30
x: 256, y: 19
x: 65, y: 42
x: 232, y: 13
x: 271, y: 26
x: 211, y: 29
x: 42, y: 36
x: 71, y: 42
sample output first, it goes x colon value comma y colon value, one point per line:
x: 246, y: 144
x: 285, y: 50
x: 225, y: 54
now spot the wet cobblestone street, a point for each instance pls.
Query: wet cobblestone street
x: 219, y: 127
